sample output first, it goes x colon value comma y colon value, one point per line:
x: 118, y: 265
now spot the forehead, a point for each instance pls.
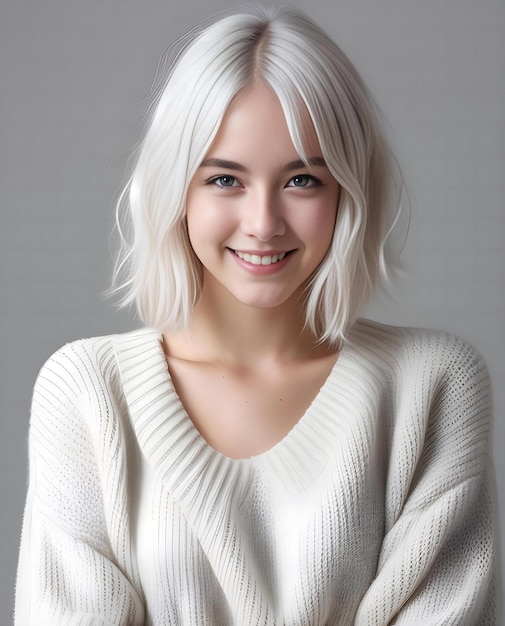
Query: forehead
x: 256, y: 116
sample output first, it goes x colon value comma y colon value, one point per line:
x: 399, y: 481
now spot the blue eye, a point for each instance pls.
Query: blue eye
x: 224, y: 181
x: 303, y: 180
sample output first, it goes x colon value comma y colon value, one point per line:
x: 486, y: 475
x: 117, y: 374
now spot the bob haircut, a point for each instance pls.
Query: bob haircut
x: 308, y: 72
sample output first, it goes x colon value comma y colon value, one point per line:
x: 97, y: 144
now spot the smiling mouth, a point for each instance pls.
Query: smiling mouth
x: 256, y: 259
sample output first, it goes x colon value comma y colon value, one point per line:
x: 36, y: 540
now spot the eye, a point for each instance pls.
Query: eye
x: 223, y: 181
x: 303, y: 180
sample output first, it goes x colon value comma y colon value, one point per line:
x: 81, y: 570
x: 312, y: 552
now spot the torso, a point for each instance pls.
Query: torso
x: 243, y: 413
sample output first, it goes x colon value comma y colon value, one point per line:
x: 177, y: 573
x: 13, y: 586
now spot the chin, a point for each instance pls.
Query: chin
x: 264, y: 301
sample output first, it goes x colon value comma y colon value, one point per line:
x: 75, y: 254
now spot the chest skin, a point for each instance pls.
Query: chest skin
x: 242, y: 413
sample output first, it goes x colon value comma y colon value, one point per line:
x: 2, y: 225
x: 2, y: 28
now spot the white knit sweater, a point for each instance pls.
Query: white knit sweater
x: 373, y: 510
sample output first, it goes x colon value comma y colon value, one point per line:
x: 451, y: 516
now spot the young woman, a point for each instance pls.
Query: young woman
x: 257, y: 454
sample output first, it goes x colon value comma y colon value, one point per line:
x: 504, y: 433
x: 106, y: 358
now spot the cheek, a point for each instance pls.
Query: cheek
x: 207, y: 224
x: 316, y: 227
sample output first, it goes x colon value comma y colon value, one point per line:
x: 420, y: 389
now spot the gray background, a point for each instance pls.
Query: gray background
x: 73, y: 83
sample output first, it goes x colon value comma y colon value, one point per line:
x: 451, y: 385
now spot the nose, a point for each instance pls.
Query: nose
x: 262, y: 216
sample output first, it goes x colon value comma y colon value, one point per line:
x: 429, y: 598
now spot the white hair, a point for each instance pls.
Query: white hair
x: 158, y: 269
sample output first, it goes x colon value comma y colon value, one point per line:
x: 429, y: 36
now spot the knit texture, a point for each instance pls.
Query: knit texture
x: 375, y: 508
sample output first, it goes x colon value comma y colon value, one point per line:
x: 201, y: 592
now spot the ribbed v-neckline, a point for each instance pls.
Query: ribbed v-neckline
x: 188, y: 464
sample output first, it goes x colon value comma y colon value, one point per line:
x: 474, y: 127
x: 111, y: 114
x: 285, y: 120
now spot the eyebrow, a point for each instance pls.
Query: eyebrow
x: 292, y: 165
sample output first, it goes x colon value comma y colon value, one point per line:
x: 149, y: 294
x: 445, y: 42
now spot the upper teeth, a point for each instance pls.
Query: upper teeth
x: 255, y: 259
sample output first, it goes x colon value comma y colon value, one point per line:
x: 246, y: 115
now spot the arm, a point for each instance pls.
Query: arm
x: 436, y: 564
x: 68, y: 572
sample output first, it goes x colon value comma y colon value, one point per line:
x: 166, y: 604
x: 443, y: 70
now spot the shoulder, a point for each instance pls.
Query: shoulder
x: 438, y: 422
x: 418, y: 350
x: 440, y: 385
x: 434, y: 379
x: 80, y: 367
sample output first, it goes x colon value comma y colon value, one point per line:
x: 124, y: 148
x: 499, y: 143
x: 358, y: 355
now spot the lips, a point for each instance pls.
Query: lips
x: 260, y: 259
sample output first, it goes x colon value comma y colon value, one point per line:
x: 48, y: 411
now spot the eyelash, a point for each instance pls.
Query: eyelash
x: 215, y: 181
x: 312, y: 181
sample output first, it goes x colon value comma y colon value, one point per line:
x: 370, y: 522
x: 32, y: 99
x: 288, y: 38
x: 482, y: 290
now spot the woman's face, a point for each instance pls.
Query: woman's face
x: 260, y: 221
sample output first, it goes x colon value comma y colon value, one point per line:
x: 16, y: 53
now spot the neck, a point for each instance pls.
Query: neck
x: 227, y: 331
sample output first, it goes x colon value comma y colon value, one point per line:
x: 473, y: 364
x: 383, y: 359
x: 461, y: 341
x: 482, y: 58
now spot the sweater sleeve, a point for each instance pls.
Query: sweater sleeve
x: 68, y: 573
x: 437, y: 560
